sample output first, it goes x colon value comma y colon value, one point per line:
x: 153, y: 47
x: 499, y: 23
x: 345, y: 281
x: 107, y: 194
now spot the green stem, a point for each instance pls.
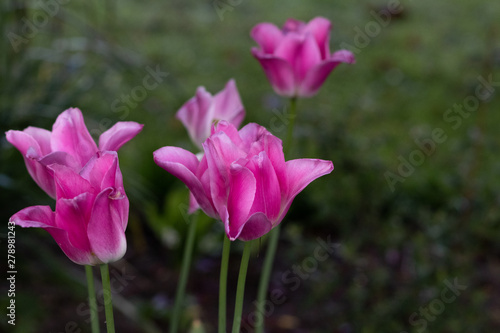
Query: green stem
x: 292, y: 115
x: 273, y: 235
x: 264, y: 278
x: 223, y: 284
x: 186, y: 263
x: 108, y: 305
x: 240, y: 290
x: 94, y: 318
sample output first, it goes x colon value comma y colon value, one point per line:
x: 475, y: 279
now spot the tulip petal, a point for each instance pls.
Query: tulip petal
x: 290, y: 48
x: 220, y: 152
x: 69, y: 134
x: 183, y: 164
x: 274, y: 150
x: 229, y: 130
x: 256, y: 226
x: 278, y: 71
x: 308, y: 56
x: 293, y: 25
x: 320, y: 28
x: 72, y: 215
x: 69, y: 184
x: 105, y: 228
x: 193, y: 204
x: 197, y: 115
x: 240, y: 200
x: 24, y: 141
x: 119, y: 134
x: 227, y: 105
x: 301, y: 172
x: 267, y: 194
x: 42, y: 137
x: 101, y: 171
x: 35, y: 217
x: 318, y: 74
x: 267, y: 35
x: 44, y: 217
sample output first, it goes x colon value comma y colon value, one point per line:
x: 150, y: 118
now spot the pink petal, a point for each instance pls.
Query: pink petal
x: 69, y: 184
x: 44, y: 217
x: 267, y: 193
x: 220, y: 152
x: 24, y: 141
x: 267, y: 35
x: 240, y: 200
x: 72, y: 215
x: 35, y: 217
x: 293, y: 25
x: 256, y: 226
x: 183, y: 164
x: 290, y: 48
x: 320, y: 28
x: 106, y: 230
x: 228, y: 129
x: 121, y: 132
x: 278, y: 72
x: 227, y: 105
x: 193, y: 204
x: 301, y: 172
x: 197, y: 115
x: 318, y: 74
x: 307, y: 57
x: 101, y: 171
x: 69, y: 134
x: 274, y: 150
x: 42, y: 137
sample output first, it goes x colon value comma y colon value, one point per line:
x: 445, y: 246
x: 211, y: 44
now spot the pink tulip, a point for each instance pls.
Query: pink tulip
x: 297, y: 59
x: 243, y: 178
x: 68, y: 144
x: 199, y: 113
x: 91, y: 211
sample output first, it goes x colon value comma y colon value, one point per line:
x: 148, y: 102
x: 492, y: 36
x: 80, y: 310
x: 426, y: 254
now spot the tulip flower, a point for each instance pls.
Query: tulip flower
x: 297, y: 59
x: 91, y: 211
x: 69, y: 144
x: 242, y: 178
x: 199, y: 113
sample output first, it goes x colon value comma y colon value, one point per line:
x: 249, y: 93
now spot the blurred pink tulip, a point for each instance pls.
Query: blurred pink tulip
x: 199, y: 113
x: 297, y: 59
x: 243, y: 178
x: 91, y: 211
x: 69, y: 144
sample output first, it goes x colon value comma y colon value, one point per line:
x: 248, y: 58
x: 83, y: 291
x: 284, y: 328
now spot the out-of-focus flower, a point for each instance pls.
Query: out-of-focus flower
x: 91, y: 211
x: 69, y: 144
x: 243, y: 178
x: 297, y: 59
x: 199, y: 113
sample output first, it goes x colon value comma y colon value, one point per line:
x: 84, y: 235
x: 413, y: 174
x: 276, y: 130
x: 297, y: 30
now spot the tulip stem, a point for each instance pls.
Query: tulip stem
x: 223, y: 284
x: 240, y: 290
x: 108, y: 305
x: 264, y: 278
x: 94, y: 318
x: 186, y: 263
x: 292, y: 115
x: 274, y: 235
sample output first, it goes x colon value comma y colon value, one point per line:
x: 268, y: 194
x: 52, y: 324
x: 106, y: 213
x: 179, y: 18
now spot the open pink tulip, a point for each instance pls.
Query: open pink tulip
x: 199, y: 113
x: 297, y: 59
x: 68, y: 144
x: 91, y: 211
x: 243, y: 178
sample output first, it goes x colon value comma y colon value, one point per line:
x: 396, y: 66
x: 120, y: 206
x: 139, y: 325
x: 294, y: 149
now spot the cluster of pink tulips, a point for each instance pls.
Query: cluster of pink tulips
x: 239, y: 176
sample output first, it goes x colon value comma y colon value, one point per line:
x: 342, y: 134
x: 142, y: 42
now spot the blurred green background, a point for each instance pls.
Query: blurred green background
x: 411, y: 216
